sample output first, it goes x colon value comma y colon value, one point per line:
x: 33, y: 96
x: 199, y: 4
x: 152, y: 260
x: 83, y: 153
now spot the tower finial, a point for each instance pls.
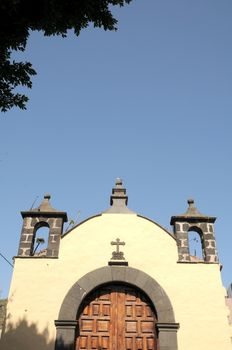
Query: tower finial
x: 118, y: 181
x: 45, y: 205
x: 190, y: 201
x: 118, y: 199
x: 192, y: 209
x: 191, y: 205
x: 47, y: 196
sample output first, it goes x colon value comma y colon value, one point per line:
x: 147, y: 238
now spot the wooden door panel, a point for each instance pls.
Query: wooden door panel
x: 139, y: 322
x: 117, y: 318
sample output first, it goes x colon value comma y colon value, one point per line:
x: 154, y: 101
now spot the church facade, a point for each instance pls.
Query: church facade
x: 117, y: 281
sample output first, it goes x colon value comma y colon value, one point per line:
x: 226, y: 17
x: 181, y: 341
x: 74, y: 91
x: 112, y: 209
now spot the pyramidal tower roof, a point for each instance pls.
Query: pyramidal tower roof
x: 45, y: 204
x: 192, y: 214
x: 192, y: 210
x: 44, y: 208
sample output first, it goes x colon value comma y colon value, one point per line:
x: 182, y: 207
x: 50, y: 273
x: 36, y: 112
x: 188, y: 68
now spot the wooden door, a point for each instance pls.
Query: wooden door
x: 117, y: 317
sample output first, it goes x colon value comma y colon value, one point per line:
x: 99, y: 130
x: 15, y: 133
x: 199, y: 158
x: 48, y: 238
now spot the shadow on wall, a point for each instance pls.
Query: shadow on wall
x: 25, y: 337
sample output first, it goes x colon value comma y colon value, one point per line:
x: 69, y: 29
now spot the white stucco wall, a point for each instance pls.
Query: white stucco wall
x: 39, y: 285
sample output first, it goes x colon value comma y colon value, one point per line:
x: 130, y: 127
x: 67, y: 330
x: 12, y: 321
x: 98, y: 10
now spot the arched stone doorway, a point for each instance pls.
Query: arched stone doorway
x: 117, y: 316
x: 67, y: 323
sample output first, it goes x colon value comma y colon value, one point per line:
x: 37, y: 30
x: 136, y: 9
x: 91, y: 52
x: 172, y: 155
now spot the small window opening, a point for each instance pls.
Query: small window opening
x: 195, y: 246
x: 41, y: 241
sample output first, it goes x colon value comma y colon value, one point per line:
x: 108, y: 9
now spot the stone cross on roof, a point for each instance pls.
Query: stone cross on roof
x: 117, y: 255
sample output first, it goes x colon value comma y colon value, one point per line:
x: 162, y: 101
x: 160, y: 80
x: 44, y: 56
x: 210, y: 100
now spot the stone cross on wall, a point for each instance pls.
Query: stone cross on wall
x: 117, y: 255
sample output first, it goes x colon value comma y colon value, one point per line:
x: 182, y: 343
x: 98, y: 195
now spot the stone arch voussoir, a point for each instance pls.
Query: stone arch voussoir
x: 66, y: 323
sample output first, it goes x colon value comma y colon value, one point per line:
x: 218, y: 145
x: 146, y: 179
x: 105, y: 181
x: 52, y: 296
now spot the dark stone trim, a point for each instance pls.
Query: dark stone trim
x: 109, y: 274
x: 192, y: 219
x: 65, y: 323
x: 47, y: 214
x: 198, y: 262
x: 66, y: 332
x: 34, y: 257
x: 171, y: 327
x: 118, y: 263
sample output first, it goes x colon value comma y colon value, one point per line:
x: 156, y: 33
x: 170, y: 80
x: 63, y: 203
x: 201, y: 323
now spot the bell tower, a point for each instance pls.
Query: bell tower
x: 43, y: 216
x: 193, y: 220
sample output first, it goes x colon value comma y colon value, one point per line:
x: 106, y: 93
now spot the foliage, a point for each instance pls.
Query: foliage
x: 25, y: 335
x: 52, y: 17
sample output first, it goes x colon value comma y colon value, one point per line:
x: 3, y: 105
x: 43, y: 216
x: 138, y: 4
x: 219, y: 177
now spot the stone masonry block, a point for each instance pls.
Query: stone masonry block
x: 210, y: 251
x: 210, y: 228
x: 209, y: 236
x: 185, y: 227
x: 203, y: 226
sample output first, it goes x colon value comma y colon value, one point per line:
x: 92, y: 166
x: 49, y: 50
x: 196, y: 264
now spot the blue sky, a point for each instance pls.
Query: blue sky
x: 150, y: 103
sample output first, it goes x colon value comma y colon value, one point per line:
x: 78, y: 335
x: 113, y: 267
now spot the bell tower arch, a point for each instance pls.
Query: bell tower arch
x: 193, y: 220
x: 43, y: 216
